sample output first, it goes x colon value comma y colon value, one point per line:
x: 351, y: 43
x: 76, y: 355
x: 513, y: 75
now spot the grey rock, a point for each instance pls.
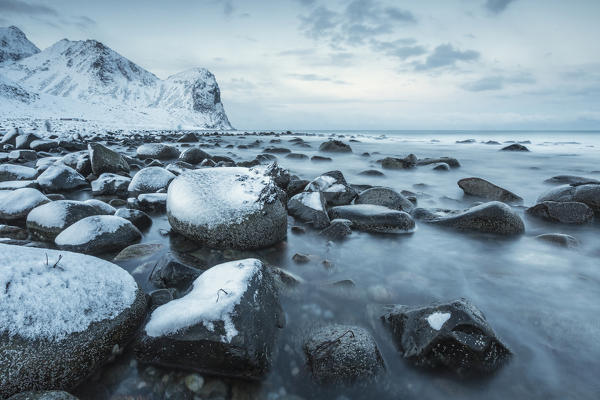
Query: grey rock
x: 568, y: 212
x: 309, y: 207
x: 194, y: 155
x: 335, y: 146
x: 11, y: 172
x: 558, y: 239
x: 16, y: 204
x: 571, y: 180
x: 43, y: 395
x: 409, y: 161
x: 373, y: 218
x: 481, y: 188
x: 140, y: 219
x: 150, y: 180
x: 103, y: 159
x: 159, y: 151
x: 12, y: 232
x: 387, y: 197
x: 170, y: 273
x: 337, y: 229
x: 514, y: 147
x: 59, y: 178
x: 588, y: 194
x: 452, y: 162
x: 110, y: 184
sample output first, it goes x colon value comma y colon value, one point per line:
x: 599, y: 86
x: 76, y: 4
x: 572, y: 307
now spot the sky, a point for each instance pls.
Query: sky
x: 356, y: 64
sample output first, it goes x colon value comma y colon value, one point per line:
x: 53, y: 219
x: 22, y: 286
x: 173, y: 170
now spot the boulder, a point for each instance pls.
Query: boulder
x: 59, y: 178
x: 558, y: 239
x: 225, y: 325
x: 454, y: 336
x: 342, y: 354
x: 105, y: 160
x: 109, y: 184
x: 16, y: 204
x: 194, y: 155
x: 335, y: 146
x: 309, y: 207
x: 12, y: 232
x: 229, y: 207
x: 451, y: 162
x: 150, y: 180
x: 514, y: 147
x: 587, y: 193
x: 153, y: 202
x: 481, y: 188
x: 140, y: 219
x: 387, y: 197
x: 14, y: 185
x: 334, y: 187
x: 23, y: 141
x: 372, y: 218
x: 79, y: 161
x: 170, y: 273
x: 22, y: 155
x: 11, y: 172
x: 63, y: 319
x: 492, y: 217
x: 159, y: 151
x: 43, y: 145
x: 98, y: 234
x: 188, y: 137
x: 337, y: 229
x: 409, y: 161
x: 568, y: 212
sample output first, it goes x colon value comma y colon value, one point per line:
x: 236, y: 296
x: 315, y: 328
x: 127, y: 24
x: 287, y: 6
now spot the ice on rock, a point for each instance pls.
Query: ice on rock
x: 437, y: 320
x: 150, y: 180
x: 213, y: 297
x: 44, y: 298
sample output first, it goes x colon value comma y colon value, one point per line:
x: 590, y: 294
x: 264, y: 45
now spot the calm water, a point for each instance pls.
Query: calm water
x: 542, y: 301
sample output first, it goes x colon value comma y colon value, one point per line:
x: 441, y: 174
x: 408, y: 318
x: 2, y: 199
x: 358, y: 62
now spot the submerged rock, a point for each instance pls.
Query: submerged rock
x: 481, y: 188
x: 372, y: 218
x: 387, y: 197
x: 558, y: 239
x: 568, y: 212
x: 60, y: 321
x: 407, y: 162
x: 309, y: 207
x: 514, y: 147
x: 226, y: 325
x: 227, y: 208
x: 455, y: 336
x: 588, y: 194
x: 451, y: 162
x: 335, y: 146
x: 342, y: 354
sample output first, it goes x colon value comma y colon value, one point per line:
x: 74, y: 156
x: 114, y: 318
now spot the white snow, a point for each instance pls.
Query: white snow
x: 213, y: 297
x: 312, y: 200
x: 13, y: 202
x: 101, y: 206
x: 51, y: 214
x: 72, y: 177
x: 14, y: 45
x: 18, y: 172
x: 437, y: 320
x: 320, y: 183
x: 13, y: 185
x: 39, y: 301
x: 89, y: 228
x: 215, y: 196
x: 150, y: 179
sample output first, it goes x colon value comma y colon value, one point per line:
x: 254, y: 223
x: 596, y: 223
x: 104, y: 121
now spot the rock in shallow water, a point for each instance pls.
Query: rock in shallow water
x: 481, y: 188
x: 58, y: 324
x: 105, y: 160
x: 335, y: 146
x: 372, y: 218
x: 150, y: 180
x: 588, y: 194
x: 159, y: 151
x: 382, y: 196
x: 110, y: 184
x: 227, y: 208
x: 59, y: 178
x: 568, y: 212
x: 226, y: 325
x: 558, y: 239
x: 309, y: 207
x: 453, y: 335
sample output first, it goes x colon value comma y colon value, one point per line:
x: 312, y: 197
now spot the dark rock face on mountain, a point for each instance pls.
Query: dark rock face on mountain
x: 14, y: 45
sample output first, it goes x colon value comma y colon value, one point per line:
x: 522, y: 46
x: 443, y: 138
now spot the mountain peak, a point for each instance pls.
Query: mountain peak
x: 14, y: 45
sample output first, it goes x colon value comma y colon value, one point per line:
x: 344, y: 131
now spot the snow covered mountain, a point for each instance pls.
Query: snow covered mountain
x: 14, y: 45
x: 88, y: 80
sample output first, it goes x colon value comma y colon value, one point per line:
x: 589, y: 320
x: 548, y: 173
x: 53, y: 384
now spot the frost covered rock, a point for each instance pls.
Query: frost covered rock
x: 153, y: 202
x: 110, y: 184
x: 372, y: 218
x: 382, y: 196
x: 150, y: 180
x: 493, y: 217
x: 159, y: 151
x: 60, y: 178
x: 23, y: 141
x: 588, y: 194
x: 568, y: 212
x: 45, y: 222
x: 11, y: 172
x: 102, y: 207
x: 194, y: 155
x: 16, y: 204
x: 335, y: 189
x: 14, y: 185
x: 61, y: 319
x: 309, y: 207
x: 140, y: 219
x: 98, y: 234
x: 453, y: 335
x: 43, y: 145
x: 342, y: 354
x: 103, y: 159
x: 226, y: 324
x: 481, y: 188
x: 79, y: 161
x: 227, y: 208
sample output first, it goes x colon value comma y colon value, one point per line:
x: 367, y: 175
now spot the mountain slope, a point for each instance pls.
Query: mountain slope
x: 94, y: 82
x: 14, y: 45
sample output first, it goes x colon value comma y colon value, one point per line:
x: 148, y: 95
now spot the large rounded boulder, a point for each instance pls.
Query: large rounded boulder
x: 227, y: 208
x: 62, y: 315
x: 588, y: 194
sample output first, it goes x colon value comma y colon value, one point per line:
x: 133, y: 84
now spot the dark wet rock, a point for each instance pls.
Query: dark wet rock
x: 295, y: 186
x: 103, y: 159
x: 337, y: 229
x: 491, y: 142
x: 387, y: 197
x: 12, y: 232
x: 515, y: 147
x: 300, y: 258
x: 237, y: 344
x: 373, y: 218
x: 454, y: 336
x: 342, y: 354
x: 309, y: 207
x: 492, y: 217
x: 59, y: 178
x: 44, y: 395
x: 140, y: 219
x: 466, y: 141
x: 139, y: 251
x: 298, y: 230
x: 486, y: 190
x: 22, y: 155
x: 568, y: 212
x: 159, y: 297
x: 45, y: 222
x: 16, y: 204
x: 409, y: 161
x: 588, y: 194
x: 170, y: 273
x: 335, y: 146
x: 98, y: 234
x: 297, y: 156
x: 117, y: 203
x: 10, y: 172
x: 558, y: 239
x: 79, y: 161
x: 150, y: 180
x: 159, y: 151
x: 441, y: 167
x: 452, y: 162
x: 23, y: 141
x: 571, y: 180
x: 371, y: 172
x: 320, y: 158
x: 200, y: 206
x: 194, y: 155
x: 153, y: 202
x: 187, y: 138
x: 109, y: 184
x: 277, y: 150
x: 280, y: 176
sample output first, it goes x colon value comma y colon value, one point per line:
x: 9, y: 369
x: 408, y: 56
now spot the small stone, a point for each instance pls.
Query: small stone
x: 194, y: 382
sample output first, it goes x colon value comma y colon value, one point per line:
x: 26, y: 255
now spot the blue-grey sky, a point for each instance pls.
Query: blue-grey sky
x: 356, y: 64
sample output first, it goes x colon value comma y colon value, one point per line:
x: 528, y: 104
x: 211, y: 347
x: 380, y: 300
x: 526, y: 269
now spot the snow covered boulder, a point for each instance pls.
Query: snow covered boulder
x: 16, y: 204
x: 45, y: 222
x: 226, y: 325
x: 103, y: 160
x: 194, y: 155
x: 159, y: 151
x: 372, y: 218
x: 453, y: 335
x: 309, y: 207
x: 62, y: 315
x: 10, y: 172
x: 59, y: 178
x: 150, y: 180
x: 335, y: 189
x: 98, y: 234
x: 110, y: 184
x: 227, y: 208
